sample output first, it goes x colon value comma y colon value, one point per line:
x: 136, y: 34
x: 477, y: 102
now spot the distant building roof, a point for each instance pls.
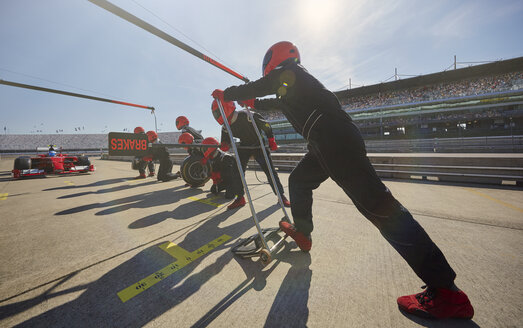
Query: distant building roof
x: 498, y: 67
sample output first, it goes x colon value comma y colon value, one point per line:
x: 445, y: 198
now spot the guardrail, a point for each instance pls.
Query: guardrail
x: 470, y: 168
x: 501, y: 144
x: 487, y: 144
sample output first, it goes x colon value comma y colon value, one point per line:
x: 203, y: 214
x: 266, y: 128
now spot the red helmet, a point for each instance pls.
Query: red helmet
x: 152, y: 136
x: 207, y: 152
x: 181, y: 121
x: 186, y: 138
x: 139, y: 129
x: 228, y: 108
x: 278, y: 54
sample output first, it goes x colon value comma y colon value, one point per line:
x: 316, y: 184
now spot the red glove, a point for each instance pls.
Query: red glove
x: 147, y: 158
x: 272, y: 144
x: 246, y: 103
x: 218, y: 94
x: 225, y: 146
x: 216, y: 177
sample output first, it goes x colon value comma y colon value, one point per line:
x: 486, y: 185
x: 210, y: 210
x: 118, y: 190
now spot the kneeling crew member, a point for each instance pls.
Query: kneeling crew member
x: 140, y: 162
x: 242, y: 129
x: 187, y: 139
x: 182, y: 124
x: 225, y: 173
x: 161, y: 154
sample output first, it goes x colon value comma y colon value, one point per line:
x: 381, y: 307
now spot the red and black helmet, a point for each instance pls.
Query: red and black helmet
x: 152, y: 136
x: 207, y: 152
x: 228, y: 108
x: 186, y: 138
x: 139, y: 129
x: 278, y: 54
x: 181, y: 121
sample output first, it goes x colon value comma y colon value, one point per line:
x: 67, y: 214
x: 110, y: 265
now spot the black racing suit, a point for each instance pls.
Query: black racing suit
x: 143, y: 164
x: 225, y: 164
x: 198, y: 138
x: 166, y: 165
x: 242, y: 129
x: 336, y: 150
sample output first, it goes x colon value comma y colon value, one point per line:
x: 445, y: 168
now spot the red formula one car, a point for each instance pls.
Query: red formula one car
x: 51, y: 163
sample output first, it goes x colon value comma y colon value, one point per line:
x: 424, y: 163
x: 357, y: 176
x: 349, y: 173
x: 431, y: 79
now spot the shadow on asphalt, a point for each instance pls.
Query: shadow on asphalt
x: 104, y: 191
x: 181, y: 212
x: 145, y: 200
x: 94, y: 184
x: 291, y: 302
x: 100, y: 306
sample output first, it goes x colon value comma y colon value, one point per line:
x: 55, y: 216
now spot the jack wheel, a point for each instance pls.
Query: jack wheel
x: 265, y: 257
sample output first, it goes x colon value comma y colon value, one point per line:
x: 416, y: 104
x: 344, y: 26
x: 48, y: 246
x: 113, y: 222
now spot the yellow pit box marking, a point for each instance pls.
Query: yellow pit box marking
x: 206, y: 200
x: 183, y: 257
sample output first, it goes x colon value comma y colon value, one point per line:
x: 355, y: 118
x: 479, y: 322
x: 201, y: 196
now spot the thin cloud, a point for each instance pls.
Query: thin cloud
x: 459, y: 23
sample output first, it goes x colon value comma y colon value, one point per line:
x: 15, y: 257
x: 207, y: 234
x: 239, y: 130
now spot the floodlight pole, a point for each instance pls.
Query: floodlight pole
x: 78, y: 95
x: 72, y: 94
x: 155, y: 123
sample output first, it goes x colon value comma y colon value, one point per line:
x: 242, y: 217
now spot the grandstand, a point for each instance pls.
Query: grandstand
x: 478, y: 101
x: 473, y: 109
x: 15, y: 143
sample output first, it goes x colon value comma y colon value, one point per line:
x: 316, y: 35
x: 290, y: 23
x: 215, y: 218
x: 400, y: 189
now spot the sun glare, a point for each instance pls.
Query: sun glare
x: 316, y: 17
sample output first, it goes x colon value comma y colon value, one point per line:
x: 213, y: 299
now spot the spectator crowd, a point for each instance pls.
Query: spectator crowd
x: 468, y: 87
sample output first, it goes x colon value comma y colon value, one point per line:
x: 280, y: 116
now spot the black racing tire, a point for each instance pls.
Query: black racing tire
x: 83, y: 161
x: 22, y: 163
x: 193, y: 172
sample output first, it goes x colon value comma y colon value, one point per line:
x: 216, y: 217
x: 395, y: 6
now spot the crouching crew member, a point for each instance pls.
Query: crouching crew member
x: 141, y: 163
x: 188, y: 136
x: 336, y: 150
x: 187, y: 139
x: 242, y: 129
x: 161, y: 154
x: 182, y: 124
x: 225, y: 173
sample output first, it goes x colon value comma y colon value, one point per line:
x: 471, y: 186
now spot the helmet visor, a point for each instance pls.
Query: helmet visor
x: 216, y: 113
x: 266, y: 60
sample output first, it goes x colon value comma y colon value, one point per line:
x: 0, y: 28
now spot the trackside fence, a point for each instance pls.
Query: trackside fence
x: 487, y: 144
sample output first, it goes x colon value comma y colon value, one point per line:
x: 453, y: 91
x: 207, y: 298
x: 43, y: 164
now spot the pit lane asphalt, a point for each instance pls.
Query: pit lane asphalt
x: 70, y: 244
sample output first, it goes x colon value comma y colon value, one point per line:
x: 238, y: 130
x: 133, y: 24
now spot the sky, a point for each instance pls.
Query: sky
x: 76, y: 46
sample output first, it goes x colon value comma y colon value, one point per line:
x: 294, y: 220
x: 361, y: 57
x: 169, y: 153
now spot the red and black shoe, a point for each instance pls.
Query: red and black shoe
x: 285, y: 201
x: 141, y: 176
x: 151, y: 174
x: 437, y: 303
x: 238, y: 202
x: 303, y: 242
